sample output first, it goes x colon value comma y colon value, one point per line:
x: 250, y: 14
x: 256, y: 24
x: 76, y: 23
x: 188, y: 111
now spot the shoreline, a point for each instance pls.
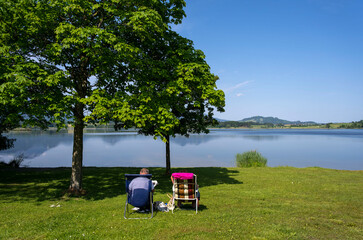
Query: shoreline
x: 90, y: 130
x: 43, y: 169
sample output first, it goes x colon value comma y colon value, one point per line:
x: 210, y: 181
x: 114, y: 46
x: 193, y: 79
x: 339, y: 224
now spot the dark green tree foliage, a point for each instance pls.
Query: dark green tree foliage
x: 173, y: 91
x: 21, y: 96
x: 51, y: 50
x: 185, y: 88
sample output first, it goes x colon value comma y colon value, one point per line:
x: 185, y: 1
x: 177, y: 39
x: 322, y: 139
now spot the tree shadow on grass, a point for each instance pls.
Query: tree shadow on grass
x: 35, y: 184
x: 99, y: 183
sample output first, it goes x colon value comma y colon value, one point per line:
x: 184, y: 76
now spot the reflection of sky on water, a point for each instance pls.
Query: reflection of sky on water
x: 339, y: 149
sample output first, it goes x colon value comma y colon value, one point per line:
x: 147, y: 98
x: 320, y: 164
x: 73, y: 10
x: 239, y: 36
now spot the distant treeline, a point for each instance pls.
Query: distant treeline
x: 237, y: 124
x: 352, y: 125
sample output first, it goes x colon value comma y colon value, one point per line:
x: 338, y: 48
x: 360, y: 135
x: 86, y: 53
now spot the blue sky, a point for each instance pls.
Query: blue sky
x: 292, y: 59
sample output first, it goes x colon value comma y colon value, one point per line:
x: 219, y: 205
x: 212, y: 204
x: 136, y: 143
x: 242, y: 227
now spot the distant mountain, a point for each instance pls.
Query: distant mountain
x: 274, y: 120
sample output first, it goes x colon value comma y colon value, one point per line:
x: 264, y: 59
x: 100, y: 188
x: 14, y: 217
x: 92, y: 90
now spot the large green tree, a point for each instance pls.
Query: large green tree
x: 188, y: 89
x: 173, y: 92
x: 64, y: 44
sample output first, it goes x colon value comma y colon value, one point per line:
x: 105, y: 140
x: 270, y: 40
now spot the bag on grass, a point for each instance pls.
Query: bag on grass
x: 160, y: 206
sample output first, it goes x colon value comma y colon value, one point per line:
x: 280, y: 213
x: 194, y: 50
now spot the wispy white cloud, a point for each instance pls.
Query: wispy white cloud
x: 237, y: 86
x: 239, y: 94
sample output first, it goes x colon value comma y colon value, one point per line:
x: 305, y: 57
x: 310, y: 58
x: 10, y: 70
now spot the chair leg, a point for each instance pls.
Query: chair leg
x: 196, y: 205
x: 125, y: 208
x: 172, y: 204
x: 151, y: 205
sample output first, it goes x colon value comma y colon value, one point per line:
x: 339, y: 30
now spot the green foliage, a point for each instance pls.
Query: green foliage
x: 250, y: 159
x: 180, y: 94
x: 50, y: 50
x: 178, y: 97
x: 74, y: 62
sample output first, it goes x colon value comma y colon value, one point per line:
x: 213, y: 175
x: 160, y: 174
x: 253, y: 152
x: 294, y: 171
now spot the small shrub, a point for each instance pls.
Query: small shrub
x: 250, y: 159
x: 17, y: 161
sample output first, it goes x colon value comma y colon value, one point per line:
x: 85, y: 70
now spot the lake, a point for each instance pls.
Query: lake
x: 337, y: 149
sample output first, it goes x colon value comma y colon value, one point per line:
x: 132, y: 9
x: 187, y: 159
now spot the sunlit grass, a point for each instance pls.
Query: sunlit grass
x: 249, y: 203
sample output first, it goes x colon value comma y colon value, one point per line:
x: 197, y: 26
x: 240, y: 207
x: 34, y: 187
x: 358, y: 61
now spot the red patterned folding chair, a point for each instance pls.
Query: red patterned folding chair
x: 185, y: 188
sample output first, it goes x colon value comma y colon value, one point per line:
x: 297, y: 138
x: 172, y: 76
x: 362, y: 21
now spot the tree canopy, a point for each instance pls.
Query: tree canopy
x: 188, y: 89
x: 173, y: 92
x: 80, y: 61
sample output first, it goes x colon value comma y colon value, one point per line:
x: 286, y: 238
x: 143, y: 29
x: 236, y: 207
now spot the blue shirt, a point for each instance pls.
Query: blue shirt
x: 139, y: 190
x: 140, y: 183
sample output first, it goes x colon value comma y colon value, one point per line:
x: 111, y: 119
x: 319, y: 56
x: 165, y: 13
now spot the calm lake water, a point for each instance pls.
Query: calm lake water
x: 337, y: 149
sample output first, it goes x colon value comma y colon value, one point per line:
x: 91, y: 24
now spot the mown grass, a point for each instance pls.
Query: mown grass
x: 236, y: 203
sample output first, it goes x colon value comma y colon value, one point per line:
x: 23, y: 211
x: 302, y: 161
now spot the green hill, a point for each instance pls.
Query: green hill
x: 273, y: 120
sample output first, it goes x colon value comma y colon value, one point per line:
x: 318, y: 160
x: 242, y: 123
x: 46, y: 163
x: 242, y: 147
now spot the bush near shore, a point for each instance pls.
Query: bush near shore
x: 236, y: 203
x: 250, y: 159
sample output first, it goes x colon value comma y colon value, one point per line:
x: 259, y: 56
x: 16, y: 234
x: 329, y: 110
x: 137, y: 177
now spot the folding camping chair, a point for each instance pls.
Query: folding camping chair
x: 185, y: 188
x: 139, y: 198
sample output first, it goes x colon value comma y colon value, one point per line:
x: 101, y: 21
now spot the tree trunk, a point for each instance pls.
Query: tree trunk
x: 80, y: 76
x: 168, y: 170
x: 77, y: 156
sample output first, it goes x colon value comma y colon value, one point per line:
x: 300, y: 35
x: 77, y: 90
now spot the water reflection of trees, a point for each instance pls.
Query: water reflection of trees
x: 263, y: 138
x: 204, y: 138
x: 113, y: 138
x: 34, y: 144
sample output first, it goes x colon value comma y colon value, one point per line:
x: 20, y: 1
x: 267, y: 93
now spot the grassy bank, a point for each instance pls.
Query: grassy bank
x: 253, y: 203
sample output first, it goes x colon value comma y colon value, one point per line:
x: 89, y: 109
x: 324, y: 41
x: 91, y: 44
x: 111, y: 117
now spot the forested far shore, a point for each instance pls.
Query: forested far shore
x: 226, y: 124
x: 238, y: 124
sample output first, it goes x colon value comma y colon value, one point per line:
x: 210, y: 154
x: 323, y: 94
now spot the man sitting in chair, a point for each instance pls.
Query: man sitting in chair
x: 139, y: 189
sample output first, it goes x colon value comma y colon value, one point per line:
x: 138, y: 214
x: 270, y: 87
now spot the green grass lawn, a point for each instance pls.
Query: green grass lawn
x: 236, y: 203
